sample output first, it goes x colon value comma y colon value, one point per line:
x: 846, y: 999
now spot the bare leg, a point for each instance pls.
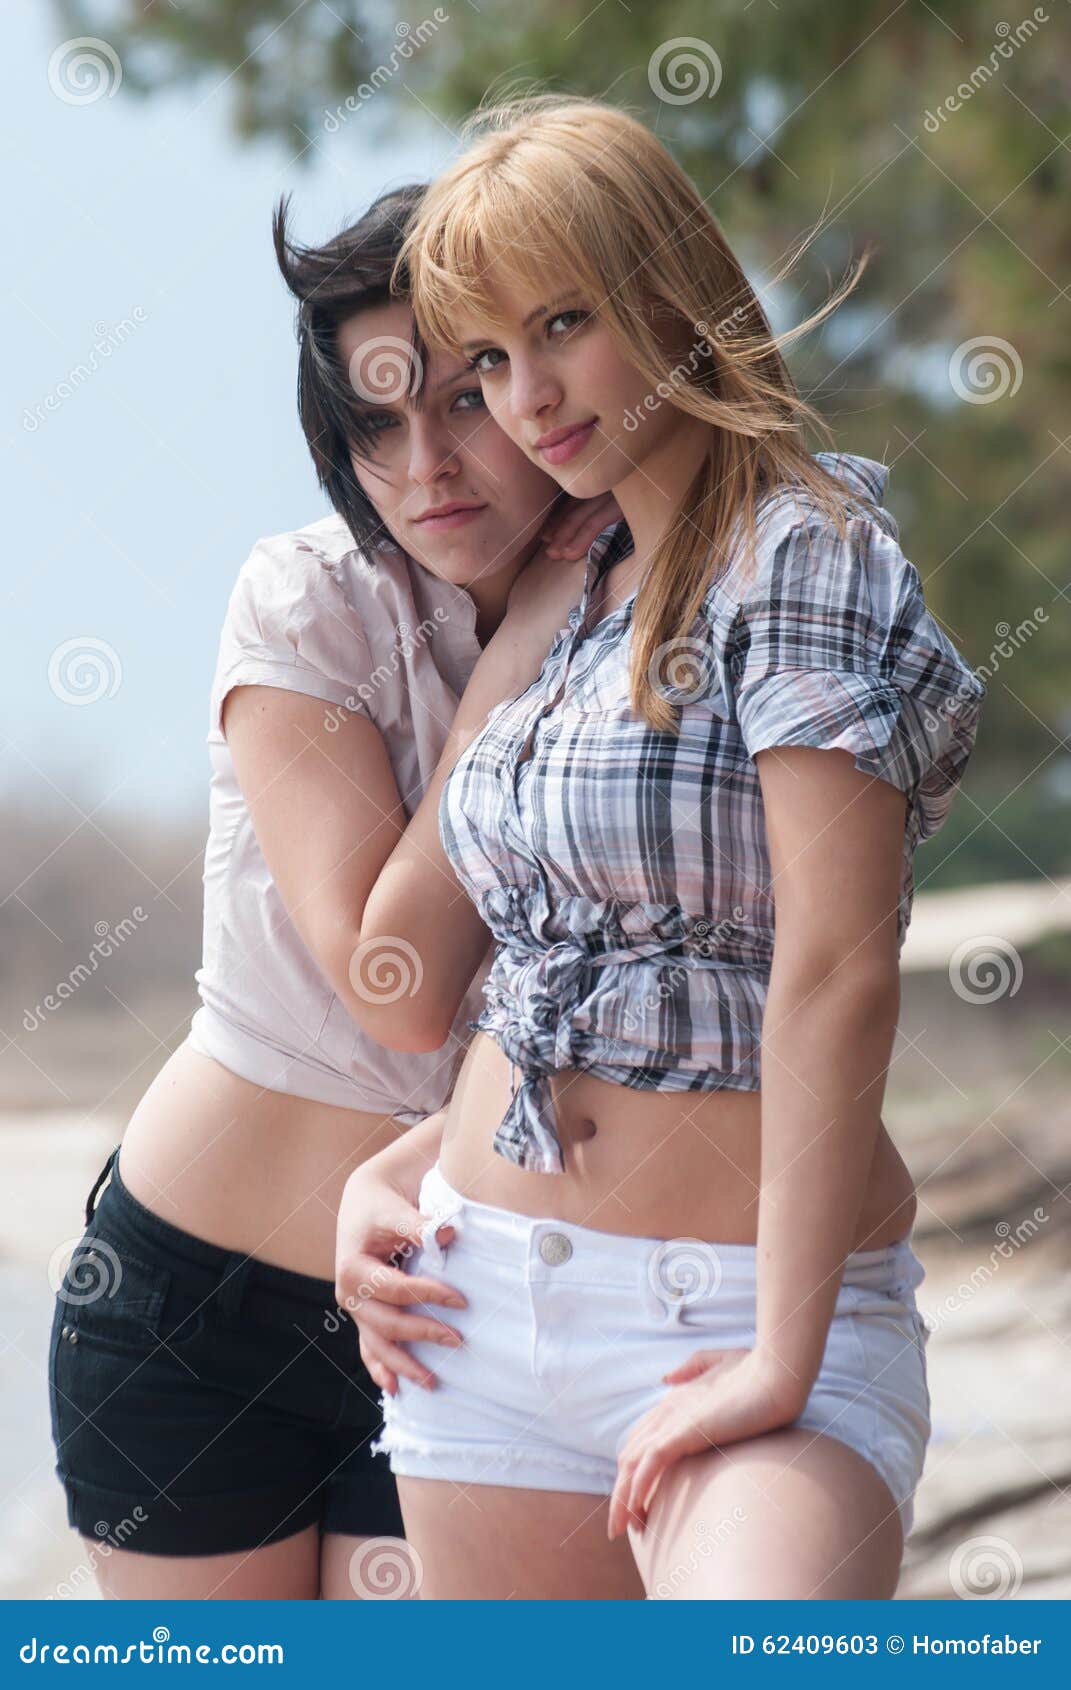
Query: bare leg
x: 356, y: 1569
x: 287, y: 1570
x: 494, y: 1542
x: 794, y: 1515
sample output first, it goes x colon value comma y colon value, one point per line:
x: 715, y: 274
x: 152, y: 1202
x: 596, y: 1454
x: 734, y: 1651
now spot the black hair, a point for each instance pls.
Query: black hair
x: 350, y: 273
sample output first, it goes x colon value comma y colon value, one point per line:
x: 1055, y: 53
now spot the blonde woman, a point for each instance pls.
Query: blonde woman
x: 690, y: 1361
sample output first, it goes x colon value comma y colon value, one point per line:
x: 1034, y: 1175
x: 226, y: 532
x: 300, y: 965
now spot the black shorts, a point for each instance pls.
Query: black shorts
x: 204, y: 1401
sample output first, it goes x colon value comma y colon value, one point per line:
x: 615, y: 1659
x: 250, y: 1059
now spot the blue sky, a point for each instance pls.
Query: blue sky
x: 140, y: 250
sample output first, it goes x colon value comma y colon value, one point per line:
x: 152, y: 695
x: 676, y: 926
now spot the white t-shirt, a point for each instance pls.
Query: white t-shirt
x: 378, y: 636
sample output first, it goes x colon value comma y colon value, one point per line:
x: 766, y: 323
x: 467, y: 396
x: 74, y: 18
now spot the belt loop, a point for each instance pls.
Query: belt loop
x: 231, y: 1289
x: 102, y: 1179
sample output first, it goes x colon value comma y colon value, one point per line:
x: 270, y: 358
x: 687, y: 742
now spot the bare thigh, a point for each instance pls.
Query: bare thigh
x: 494, y: 1542
x: 363, y: 1569
x: 289, y: 1569
x: 794, y: 1514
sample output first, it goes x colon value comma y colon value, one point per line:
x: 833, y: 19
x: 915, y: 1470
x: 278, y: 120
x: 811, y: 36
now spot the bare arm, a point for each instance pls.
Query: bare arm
x: 417, y: 906
x: 835, y: 840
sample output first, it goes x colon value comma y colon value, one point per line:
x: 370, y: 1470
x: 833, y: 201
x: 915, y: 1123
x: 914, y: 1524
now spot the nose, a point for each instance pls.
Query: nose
x: 432, y: 450
x: 535, y: 393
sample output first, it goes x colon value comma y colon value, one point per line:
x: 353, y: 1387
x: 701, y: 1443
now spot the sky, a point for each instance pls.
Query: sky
x: 150, y: 426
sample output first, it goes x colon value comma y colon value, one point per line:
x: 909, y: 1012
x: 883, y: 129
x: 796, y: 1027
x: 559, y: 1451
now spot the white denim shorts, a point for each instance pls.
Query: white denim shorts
x: 567, y: 1332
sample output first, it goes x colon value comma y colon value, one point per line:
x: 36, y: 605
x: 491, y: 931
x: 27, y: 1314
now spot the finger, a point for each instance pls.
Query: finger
x: 645, y: 1482
x: 617, y: 1517
x: 690, y: 1369
x: 383, y: 1377
x: 385, y: 1354
x: 643, y: 1474
x: 380, y: 1283
x: 399, y: 1328
x: 587, y: 530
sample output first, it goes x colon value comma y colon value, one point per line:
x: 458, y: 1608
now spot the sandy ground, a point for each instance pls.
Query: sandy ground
x: 979, y: 1104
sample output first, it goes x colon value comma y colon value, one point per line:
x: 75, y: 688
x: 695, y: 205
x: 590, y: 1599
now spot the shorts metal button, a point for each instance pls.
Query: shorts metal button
x: 72, y: 1337
x: 554, y: 1247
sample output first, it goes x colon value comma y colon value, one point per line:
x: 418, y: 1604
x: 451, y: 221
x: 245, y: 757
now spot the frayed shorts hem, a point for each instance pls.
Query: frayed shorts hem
x: 520, y: 1469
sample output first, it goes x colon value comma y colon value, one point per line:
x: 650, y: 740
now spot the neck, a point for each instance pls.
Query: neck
x: 651, y: 497
x: 490, y: 591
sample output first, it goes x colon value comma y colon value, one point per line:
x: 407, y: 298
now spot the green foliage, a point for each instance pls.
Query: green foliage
x: 825, y: 113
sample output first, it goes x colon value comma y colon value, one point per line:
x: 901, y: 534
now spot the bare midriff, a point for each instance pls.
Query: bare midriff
x: 650, y: 1164
x: 251, y: 1170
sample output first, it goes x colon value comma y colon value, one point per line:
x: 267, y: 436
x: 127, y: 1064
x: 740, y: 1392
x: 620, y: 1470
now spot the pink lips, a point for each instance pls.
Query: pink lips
x: 452, y: 515
x: 561, y: 444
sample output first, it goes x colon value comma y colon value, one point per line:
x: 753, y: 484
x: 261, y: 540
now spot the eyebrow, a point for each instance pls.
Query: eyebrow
x: 540, y: 311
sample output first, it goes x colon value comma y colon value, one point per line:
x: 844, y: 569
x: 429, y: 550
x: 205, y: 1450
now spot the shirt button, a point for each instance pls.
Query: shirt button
x: 554, y: 1247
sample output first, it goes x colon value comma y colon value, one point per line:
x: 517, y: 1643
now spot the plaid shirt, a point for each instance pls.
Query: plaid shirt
x: 624, y: 872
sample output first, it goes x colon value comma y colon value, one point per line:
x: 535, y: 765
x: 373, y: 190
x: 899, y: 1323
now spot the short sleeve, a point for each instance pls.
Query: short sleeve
x: 290, y: 624
x: 835, y: 648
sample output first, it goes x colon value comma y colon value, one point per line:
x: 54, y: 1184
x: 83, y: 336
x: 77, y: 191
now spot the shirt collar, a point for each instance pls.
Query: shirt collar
x: 608, y: 547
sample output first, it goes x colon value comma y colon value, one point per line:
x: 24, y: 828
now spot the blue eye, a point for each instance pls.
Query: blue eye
x: 471, y: 393
x: 476, y: 362
x: 574, y: 318
x: 377, y: 421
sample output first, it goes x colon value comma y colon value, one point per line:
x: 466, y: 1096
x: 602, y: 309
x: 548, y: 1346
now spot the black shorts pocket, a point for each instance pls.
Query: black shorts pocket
x: 127, y: 1301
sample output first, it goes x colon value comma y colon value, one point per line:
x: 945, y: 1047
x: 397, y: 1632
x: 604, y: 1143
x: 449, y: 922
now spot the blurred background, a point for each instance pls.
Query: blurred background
x: 151, y: 436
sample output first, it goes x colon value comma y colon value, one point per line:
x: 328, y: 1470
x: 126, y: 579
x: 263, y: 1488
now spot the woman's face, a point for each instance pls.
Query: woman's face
x: 452, y: 489
x: 557, y: 383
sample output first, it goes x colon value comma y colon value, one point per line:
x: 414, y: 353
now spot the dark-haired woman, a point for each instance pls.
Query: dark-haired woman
x: 210, y: 1409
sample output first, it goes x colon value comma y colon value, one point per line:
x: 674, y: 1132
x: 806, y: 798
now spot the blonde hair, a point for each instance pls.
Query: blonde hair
x: 577, y: 190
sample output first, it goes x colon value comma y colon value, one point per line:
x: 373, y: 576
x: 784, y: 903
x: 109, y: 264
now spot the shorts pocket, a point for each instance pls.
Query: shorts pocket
x: 112, y: 1299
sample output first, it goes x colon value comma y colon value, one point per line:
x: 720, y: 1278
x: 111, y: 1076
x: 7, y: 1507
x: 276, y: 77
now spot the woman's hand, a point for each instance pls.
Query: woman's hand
x: 575, y: 524
x: 718, y: 1397
x: 376, y: 1220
